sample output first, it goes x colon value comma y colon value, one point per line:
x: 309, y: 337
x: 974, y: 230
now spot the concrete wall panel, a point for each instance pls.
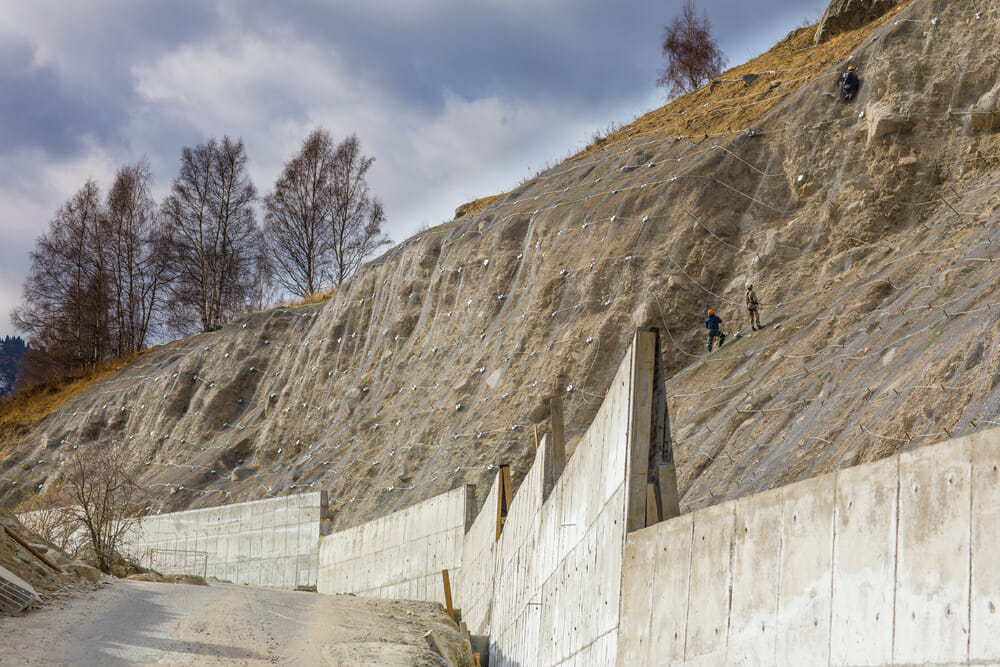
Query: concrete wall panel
x: 985, y: 544
x: 804, y: 609
x: 707, y: 619
x: 559, y: 562
x: 247, y: 543
x: 655, y: 579
x: 932, y: 574
x: 864, y: 564
x: 756, y: 574
x: 869, y: 565
x: 404, y: 551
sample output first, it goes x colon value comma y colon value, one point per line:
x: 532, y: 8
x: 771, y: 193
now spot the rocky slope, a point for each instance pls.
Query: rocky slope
x: 868, y: 228
x: 844, y: 15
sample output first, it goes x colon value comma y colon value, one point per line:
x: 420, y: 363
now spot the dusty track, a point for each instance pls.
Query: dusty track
x: 141, y: 623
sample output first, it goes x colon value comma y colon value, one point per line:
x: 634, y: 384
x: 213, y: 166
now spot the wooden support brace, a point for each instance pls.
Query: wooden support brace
x: 668, y: 499
x: 447, y: 594
x: 652, y: 508
x: 558, y: 436
x: 505, y: 496
x: 17, y: 538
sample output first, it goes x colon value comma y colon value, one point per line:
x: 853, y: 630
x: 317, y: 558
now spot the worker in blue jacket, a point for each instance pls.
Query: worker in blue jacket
x: 712, y: 323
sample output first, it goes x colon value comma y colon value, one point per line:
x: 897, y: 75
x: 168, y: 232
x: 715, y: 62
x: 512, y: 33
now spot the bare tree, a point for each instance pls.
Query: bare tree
x: 64, y: 307
x: 356, y: 217
x: 50, y: 514
x: 104, y: 497
x: 693, y: 56
x: 297, y: 217
x: 95, y: 278
x: 138, y: 266
x: 213, y: 236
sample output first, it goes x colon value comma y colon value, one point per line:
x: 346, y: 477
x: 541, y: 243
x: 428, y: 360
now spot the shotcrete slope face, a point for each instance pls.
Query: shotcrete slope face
x: 868, y: 229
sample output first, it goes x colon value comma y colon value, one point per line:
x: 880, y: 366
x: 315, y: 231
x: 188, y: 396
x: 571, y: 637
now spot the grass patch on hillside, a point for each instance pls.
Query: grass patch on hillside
x: 33, y: 404
x: 314, y: 299
x: 476, y: 205
x: 737, y: 98
x: 741, y: 96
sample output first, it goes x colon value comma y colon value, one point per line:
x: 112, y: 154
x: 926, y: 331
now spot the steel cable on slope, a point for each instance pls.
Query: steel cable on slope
x: 928, y: 202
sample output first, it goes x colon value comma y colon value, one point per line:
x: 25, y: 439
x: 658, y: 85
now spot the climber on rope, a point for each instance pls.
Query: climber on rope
x: 712, y: 323
x: 752, y: 306
x: 849, y: 84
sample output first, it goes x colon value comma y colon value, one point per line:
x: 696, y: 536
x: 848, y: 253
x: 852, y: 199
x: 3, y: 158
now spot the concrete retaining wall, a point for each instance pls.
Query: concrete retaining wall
x: 558, y: 577
x: 475, y: 581
x: 891, y: 562
x: 888, y: 563
x: 272, y: 542
x: 400, y: 555
x: 548, y: 591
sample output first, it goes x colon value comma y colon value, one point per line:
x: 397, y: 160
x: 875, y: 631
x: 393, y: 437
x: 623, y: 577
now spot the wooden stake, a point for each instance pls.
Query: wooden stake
x: 29, y: 549
x: 505, y: 496
x: 447, y: 594
x: 558, y: 436
x: 652, y: 512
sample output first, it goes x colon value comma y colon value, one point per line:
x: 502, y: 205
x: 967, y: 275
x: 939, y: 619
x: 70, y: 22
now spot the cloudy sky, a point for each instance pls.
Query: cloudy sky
x: 456, y: 99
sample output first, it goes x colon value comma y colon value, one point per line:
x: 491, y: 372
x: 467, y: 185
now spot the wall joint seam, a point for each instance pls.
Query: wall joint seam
x: 895, y: 560
x: 972, y: 539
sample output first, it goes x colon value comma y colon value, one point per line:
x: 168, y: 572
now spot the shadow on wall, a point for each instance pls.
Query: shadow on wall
x: 539, y: 572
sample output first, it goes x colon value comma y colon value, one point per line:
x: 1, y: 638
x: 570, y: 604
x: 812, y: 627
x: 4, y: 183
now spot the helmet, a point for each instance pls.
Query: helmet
x: 711, y: 312
x: 749, y: 285
x: 850, y: 68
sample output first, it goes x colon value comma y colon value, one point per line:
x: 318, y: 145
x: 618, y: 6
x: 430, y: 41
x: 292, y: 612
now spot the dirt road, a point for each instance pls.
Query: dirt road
x: 142, y: 623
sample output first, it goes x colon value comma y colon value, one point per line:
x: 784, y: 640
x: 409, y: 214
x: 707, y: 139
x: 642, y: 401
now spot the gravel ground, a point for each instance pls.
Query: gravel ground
x: 144, y: 623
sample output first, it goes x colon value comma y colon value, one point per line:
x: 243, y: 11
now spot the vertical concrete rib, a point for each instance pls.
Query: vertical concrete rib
x: 833, y: 570
x: 895, y: 564
x: 639, y: 428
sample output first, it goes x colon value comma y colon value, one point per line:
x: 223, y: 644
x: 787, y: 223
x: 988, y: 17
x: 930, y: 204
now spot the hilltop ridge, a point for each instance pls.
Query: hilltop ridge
x: 868, y: 229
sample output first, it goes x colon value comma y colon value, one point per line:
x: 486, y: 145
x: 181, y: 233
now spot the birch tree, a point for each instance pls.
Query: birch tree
x: 297, y: 217
x: 356, y: 216
x: 138, y: 265
x: 214, y: 241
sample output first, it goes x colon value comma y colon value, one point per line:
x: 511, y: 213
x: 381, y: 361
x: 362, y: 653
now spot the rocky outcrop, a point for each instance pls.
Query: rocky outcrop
x: 882, y: 121
x: 844, y: 15
x: 81, y: 569
x: 985, y: 113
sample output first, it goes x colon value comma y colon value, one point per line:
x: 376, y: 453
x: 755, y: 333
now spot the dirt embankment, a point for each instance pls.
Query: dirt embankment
x: 39, y: 563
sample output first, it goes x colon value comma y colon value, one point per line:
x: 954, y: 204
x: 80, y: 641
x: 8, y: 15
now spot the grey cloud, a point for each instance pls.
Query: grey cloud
x: 87, y: 91
x: 575, y: 52
x: 35, y: 110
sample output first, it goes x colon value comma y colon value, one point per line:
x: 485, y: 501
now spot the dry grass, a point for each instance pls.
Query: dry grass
x: 29, y: 406
x: 316, y: 298
x: 741, y: 96
x: 321, y: 296
x: 476, y: 205
x: 731, y: 103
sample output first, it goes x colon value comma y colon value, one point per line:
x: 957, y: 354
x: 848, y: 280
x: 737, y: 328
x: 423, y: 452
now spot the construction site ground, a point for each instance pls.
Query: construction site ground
x: 137, y: 622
